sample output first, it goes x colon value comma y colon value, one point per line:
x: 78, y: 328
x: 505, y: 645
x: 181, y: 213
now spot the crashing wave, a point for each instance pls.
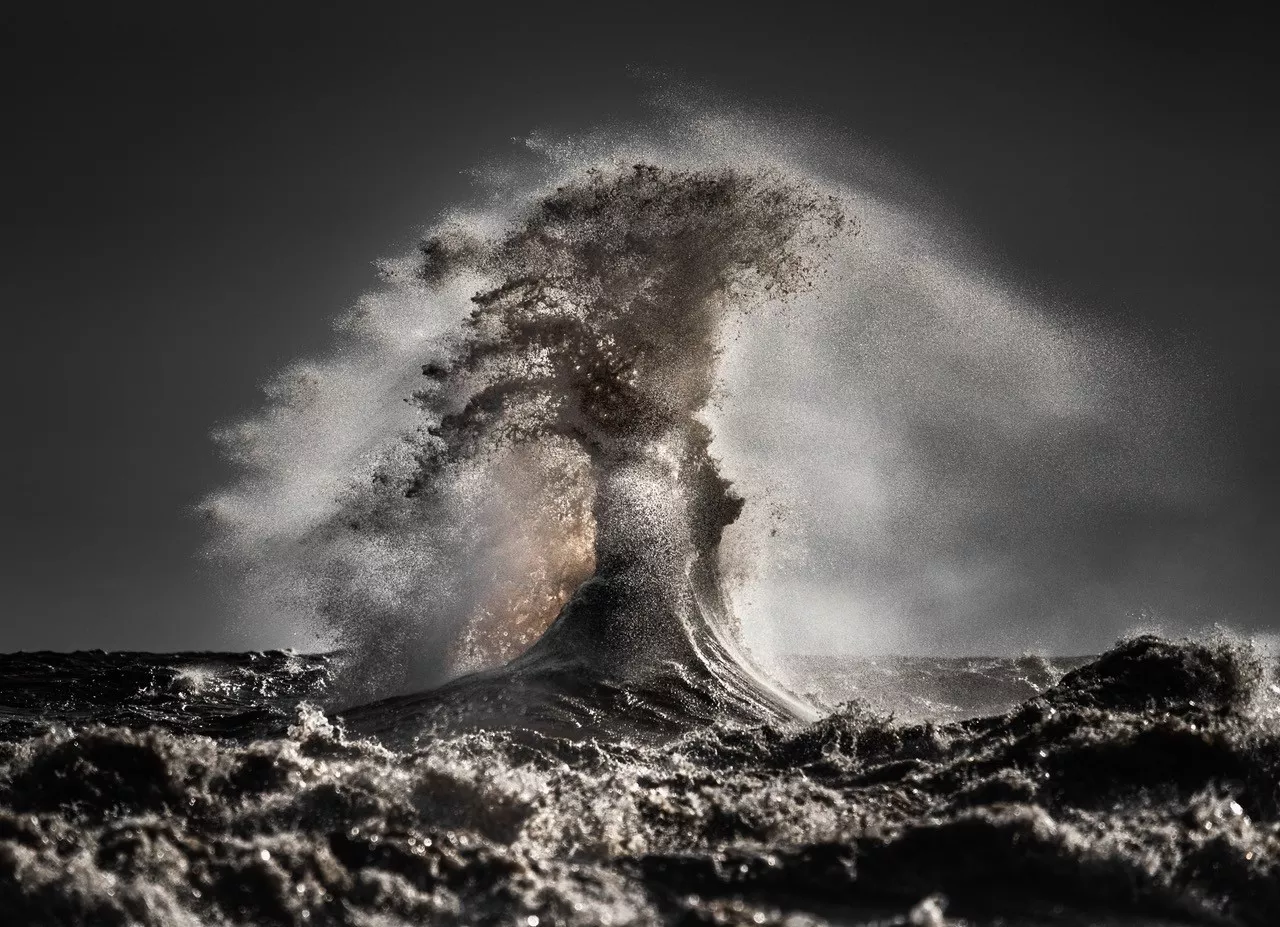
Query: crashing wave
x: 598, y: 340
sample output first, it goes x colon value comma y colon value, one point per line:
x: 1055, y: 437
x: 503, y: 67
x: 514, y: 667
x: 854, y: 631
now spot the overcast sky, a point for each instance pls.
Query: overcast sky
x: 189, y: 204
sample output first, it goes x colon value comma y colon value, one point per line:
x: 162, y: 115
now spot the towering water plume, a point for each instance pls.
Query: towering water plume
x: 571, y: 398
x: 600, y: 341
x: 946, y: 447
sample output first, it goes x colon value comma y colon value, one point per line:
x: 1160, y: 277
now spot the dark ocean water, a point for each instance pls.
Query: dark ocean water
x: 1141, y: 787
x: 550, y: 505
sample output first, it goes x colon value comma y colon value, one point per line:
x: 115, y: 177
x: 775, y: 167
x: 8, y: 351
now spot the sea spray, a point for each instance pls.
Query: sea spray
x: 560, y: 428
x: 599, y: 340
x: 947, y: 451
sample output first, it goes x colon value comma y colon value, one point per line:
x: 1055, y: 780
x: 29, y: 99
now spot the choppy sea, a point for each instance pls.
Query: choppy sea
x: 1138, y: 787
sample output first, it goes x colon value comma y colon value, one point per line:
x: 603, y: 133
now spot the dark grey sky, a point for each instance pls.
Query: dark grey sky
x: 189, y: 203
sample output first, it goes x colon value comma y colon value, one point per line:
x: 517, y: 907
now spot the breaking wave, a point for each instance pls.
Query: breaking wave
x: 512, y: 473
x: 572, y: 395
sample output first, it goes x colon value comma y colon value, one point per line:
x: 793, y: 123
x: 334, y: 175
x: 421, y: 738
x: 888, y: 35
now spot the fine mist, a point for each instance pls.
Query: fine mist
x: 548, y: 391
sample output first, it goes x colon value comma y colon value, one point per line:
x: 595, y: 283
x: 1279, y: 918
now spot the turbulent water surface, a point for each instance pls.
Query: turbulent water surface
x: 502, y: 505
x: 203, y: 789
